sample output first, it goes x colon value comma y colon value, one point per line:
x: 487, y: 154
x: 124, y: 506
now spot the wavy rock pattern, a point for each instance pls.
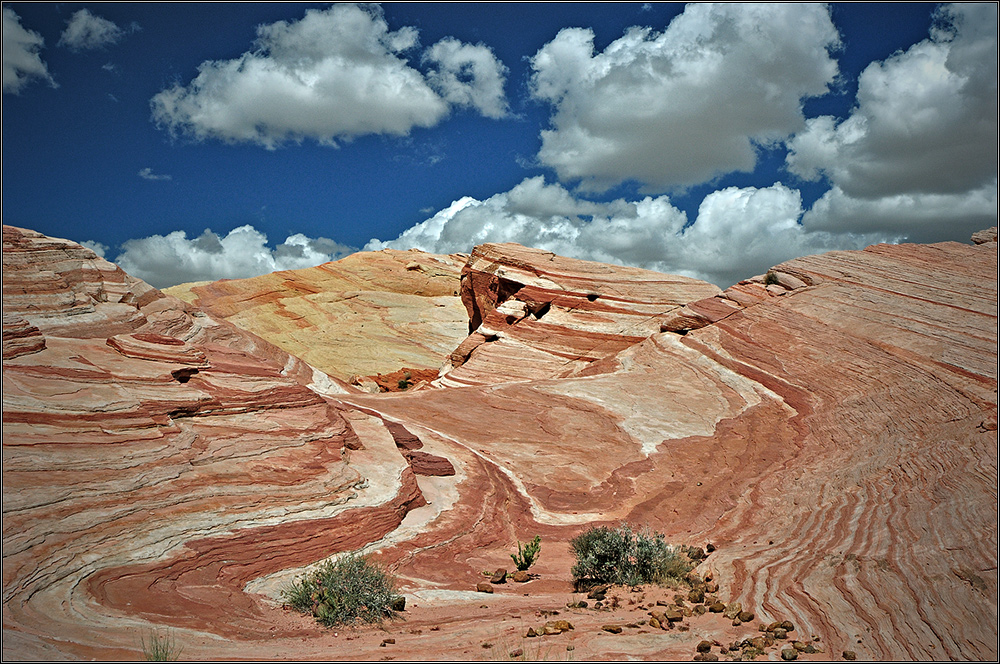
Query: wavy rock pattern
x: 830, y: 427
x: 156, y: 459
x: 375, y: 312
x: 536, y: 315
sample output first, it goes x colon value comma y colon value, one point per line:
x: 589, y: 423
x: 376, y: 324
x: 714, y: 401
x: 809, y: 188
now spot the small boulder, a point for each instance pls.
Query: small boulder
x: 704, y: 646
x: 484, y: 587
x: 673, y: 615
x: 598, y: 593
x: 696, y: 596
x: 531, y: 633
x: 711, y: 586
x: 789, y: 654
x: 521, y: 576
x: 706, y: 657
x: 746, y: 616
x: 787, y: 625
x: 780, y: 633
x: 700, y: 610
x: 499, y: 576
x: 850, y: 655
x: 614, y: 629
x: 733, y: 610
x: 517, y: 652
x: 559, y: 625
x: 798, y: 645
x: 655, y: 624
x: 717, y: 607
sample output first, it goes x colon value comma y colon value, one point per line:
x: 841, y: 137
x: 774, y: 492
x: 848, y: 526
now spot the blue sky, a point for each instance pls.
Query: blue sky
x: 191, y: 141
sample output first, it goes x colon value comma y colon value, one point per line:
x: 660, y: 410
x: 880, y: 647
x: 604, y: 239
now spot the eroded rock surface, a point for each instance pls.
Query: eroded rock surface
x: 830, y: 427
x: 367, y: 314
x: 151, y: 452
x: 533, y: 314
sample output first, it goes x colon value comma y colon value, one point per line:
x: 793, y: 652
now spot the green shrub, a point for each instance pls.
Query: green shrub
x: 160, y: 648
x: 771, y: 278
x: 344, y: 591
x: 525, y: 556
x: 621, y: 556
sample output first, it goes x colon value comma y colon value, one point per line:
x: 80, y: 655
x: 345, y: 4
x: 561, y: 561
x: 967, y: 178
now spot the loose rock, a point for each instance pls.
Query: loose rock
x: 499, y: 576
x: 704, y: 646
x: 484, y: 587
x: 850, y: 655
x: 789, y: 654
x: 614, y: 629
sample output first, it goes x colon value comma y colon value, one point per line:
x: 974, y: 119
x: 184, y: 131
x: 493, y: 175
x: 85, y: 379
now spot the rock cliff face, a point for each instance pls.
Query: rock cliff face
x: 369, y: 313
x: 830, y: 427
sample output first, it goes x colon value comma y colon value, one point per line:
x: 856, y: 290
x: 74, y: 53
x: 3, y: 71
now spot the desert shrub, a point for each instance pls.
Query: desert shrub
x: 771, y: 278
x: 344, y: 591
x: 621, y: 556
x: 159, y: 648
x: 526, y: 555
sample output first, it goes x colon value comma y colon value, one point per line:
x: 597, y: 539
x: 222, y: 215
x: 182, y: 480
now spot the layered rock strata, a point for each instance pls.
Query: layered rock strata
x: 533, y: 314
x: 367, y: 314
x: 155, y: 459
x: 830, y: 427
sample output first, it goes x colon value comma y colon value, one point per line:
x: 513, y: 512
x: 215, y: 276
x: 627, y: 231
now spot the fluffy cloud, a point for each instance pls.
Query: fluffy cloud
x: 739, y: 232
x: 86, y: 31
x: 683, y: 106
x: 920, y: 146
x: 335, y: 74
x: 21, y: 61
x: 172, y: 259
x: 468, y: 75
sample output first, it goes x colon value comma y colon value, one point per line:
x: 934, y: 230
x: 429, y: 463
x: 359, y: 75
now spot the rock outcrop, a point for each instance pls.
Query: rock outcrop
x: 149, y: 451
x: 830, y: 427
x: 533, y: 314
x: 367, y: 314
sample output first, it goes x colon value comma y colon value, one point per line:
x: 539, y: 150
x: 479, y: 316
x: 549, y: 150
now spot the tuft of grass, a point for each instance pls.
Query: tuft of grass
x: 526, y: 554
x: 624, y: 557
x: 160, y: 648
x: 345, y: 591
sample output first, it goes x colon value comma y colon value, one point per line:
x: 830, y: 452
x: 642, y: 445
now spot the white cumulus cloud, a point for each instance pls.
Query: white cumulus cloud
x: 683, y: 106
x: 335, y: 74
x: 85, y: 31
x: 21, y: 61
x: 168, y: 260
x: 739, y: 232
x: 468, y: 75
x: 920, y: 147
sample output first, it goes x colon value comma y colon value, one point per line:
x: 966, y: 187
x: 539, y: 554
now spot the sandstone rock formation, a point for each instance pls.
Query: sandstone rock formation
x: 366, y: 314
x: 536, y: 315
x: 830, y: 427
x: 146, y: 444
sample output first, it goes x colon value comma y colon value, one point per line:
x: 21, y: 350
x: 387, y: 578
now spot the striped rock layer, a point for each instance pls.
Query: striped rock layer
x: 830, y: 427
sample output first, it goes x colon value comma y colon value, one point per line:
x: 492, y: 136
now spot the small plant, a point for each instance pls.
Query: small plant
x: 526, y: 554
x: 345, y: 591
x: 621, y: 556
x: 771, y: 278
x: 160, y: 648
x: 403, y: 383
